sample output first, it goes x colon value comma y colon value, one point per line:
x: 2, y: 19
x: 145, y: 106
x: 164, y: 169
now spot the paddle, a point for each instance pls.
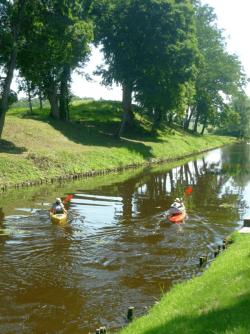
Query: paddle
x: 188, y: 191
x: 68, y: 198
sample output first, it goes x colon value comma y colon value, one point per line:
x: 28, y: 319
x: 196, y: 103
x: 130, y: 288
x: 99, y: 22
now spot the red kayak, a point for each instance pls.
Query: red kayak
x: 177, y: 218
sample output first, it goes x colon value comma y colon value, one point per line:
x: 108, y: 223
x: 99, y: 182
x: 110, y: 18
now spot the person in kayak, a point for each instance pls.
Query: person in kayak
x: 58, y: 207
x: 177, y: 207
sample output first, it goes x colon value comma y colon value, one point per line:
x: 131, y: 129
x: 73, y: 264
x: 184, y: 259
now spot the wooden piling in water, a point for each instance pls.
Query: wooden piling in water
x: 216, y: 253
x: 247, y: 222
x: 130, y: 313
x: 203, y: 260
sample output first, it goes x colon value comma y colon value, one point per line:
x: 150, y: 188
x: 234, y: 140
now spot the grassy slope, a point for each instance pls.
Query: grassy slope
x: 35, y: 147
x: 216, y: 302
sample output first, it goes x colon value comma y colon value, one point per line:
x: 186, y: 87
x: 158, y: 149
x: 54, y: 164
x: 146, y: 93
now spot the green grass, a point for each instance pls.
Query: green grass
x: 35, y: 146
x: 216, y: 302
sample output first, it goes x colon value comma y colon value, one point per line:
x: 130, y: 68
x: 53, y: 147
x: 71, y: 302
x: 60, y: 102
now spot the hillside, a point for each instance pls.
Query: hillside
x: 36, y: 147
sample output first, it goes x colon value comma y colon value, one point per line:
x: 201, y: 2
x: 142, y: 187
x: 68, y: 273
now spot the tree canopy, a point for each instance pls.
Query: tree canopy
x: 220, y: 74
x: 59, y: 35
x: 150, y: 49
x: 168, y: 55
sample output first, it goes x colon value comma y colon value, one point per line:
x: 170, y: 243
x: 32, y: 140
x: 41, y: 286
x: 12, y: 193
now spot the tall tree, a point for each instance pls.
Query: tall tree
x: 150, y: 49
x: 220, y: 74
x: 11, y: 18
x: 236, y: 121
x: 30, y: 90
x: 59, y: 35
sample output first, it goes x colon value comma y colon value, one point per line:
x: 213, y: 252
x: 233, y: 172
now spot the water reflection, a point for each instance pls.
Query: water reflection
x: 117, y: 250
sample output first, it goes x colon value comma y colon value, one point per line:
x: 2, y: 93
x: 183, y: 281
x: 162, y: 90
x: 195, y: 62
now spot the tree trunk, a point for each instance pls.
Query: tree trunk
x: 170, y: 119
x: 11, y: 66
x: 157, y: 119
x: 64, y: 94
x: 29, y: 99
x: 53, y: 100
x: 204, y: 126
x: 127, y: 114
x: 40, y: 99
x: 188, y: 119
x: 196, y: 121
x: 6, y: 89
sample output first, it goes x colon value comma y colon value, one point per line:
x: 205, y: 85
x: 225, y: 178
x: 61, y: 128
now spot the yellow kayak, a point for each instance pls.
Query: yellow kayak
x: 58, y: 218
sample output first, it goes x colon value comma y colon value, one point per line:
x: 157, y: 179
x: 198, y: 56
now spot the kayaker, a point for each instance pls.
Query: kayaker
x: 58, y: 207
x: 177, y: 207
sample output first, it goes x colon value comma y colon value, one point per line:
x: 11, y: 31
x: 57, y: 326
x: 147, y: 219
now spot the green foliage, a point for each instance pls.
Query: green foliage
x: 10, y: 20
x: 11, y: 17
x: 151, y: 47
x: 5, y: 32
x: 169, y: 53
x: 236, y: 121
x: 12, y: 98
x: 58, y: 35
x: 220, y: 74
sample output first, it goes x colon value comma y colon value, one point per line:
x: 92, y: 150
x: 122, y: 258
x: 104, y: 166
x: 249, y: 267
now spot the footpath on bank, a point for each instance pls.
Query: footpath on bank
x: 216, y: 302
x: 36, y: 149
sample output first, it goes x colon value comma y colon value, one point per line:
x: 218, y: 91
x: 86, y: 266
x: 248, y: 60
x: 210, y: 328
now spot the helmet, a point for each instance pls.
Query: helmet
x: 58, y: 200
x: 177, y: 200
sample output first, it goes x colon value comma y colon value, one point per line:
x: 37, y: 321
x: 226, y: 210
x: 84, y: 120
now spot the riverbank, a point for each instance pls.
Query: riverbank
x: 36, y: 149
x: 216, y: 302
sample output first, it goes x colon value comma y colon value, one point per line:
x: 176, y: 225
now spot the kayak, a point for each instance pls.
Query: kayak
x: 58, y: 218
x: 177, y: 218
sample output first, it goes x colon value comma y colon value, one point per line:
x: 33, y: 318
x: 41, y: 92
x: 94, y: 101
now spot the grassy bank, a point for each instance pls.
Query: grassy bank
x: 216, y: 302
x: 35, y: 147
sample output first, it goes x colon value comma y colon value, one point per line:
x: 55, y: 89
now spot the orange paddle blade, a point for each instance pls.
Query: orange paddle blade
x: 188, y: 190
x: 68, y: 198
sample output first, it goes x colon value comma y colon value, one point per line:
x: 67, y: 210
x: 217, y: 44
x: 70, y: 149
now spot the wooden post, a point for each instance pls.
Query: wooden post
x: 203, y: 260
x: 130, y: 313
x: 216, y: 253
x: 247, y: 222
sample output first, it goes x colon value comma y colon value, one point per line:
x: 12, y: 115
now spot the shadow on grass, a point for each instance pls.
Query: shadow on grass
x: 8, y: 147
x: 89, y: 135
x: 234, y: 319
x: 96, y: 123
x: 105, y: 117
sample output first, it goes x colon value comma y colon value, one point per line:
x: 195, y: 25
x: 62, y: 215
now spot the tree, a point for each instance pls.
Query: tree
x: 150, y: 49
x: 11, y: 18
x: 59, y: 35
x: 220, y: 74
x: 236, y: 121
x: 31, y: 90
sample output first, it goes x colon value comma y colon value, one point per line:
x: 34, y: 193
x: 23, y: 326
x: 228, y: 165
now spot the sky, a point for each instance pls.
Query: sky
x: 233, y: 17
x: 83, y: 88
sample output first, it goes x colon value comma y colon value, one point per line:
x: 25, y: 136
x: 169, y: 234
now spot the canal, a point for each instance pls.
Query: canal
x: 117, y: 249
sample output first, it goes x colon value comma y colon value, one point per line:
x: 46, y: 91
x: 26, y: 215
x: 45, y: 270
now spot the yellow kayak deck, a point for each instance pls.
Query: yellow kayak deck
x: 58, y: 218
